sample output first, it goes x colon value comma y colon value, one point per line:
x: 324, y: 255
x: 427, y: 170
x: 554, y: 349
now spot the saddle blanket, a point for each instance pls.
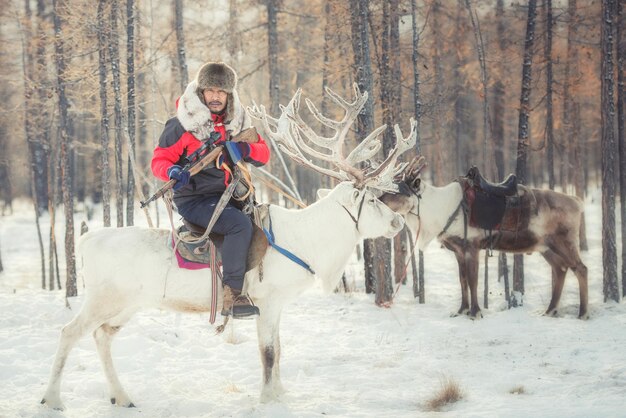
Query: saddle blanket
x: 186, y: 262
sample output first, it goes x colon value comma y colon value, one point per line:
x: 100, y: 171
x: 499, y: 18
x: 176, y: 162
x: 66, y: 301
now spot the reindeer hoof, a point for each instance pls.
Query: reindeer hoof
x: 552, y: 312
x: 583, y: 316
x: 461, y: 311
x: 56, y: 405
x: 127, y: 404
x: 475, y: 316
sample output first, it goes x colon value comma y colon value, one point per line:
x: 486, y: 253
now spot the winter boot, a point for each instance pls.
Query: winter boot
x: 238, y: 305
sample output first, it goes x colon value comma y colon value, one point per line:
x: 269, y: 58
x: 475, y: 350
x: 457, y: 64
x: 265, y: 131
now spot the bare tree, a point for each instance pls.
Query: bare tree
x: 130, y: 88
x: 571, y: 111
x: 382, y: 246
x: 621, y: 126
x: 547, y: 55
x: 523, y: 135
x: 30, y: 107
x: 272, y: 53
x: 114, y: 56
x: 437, y: 119
x: 484, y: 78
x: 418, y: 282
x: 104, y: 114
x: 180, y: 44
x: 59, y: 7
x: 359, y: 11
x: 499, y: 101
x: 41, y: 146
x: 6, y: 192
x: 609, y: 150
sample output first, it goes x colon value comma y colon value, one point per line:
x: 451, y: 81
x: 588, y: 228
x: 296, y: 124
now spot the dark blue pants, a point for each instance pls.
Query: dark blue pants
x: 236, y: 228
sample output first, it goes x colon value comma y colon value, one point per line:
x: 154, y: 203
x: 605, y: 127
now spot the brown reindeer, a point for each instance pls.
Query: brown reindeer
x: 471, y: 214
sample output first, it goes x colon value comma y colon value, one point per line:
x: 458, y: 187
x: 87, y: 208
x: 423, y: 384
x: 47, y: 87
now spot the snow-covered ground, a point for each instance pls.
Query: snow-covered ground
x: 341, y: 355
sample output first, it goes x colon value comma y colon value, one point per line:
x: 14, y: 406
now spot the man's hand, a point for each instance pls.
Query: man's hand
x: 177, y: 173
x: 235, y: 151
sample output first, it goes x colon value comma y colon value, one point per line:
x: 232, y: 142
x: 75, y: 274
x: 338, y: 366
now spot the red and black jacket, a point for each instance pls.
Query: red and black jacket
x: 176, y: 143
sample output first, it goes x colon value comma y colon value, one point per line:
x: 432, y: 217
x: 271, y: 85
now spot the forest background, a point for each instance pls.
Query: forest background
x: 535, y: 88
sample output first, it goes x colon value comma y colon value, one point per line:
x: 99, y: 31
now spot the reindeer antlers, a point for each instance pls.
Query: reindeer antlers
x: 289, y: 131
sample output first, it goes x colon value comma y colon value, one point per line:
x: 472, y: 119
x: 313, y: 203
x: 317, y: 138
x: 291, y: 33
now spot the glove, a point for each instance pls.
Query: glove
x: 235, y: 151
x: 177, y: 173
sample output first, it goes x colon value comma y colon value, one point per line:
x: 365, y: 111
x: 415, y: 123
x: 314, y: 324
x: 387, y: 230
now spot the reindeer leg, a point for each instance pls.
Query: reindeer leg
x: 571, y: 258
x: 268, y: 324
x: 460, y: 258
x: 559, y: 270
x: 104, y: 336
x: 471, y: 258
x: 581, y: 274
x: 86, y: 320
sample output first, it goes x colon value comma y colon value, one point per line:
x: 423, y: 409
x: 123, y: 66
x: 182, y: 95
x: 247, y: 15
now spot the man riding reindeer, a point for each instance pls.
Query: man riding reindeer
x: 210, y: 110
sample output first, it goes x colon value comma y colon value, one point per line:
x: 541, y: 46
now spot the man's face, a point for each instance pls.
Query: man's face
x: 216, y: 99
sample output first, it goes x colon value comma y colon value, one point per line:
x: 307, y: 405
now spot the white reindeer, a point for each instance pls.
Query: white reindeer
x: 131, y: 269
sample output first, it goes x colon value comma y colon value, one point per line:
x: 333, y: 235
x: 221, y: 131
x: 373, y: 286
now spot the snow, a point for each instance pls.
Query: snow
x: 341, y: 355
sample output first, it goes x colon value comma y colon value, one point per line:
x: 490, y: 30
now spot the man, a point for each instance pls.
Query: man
x: 211, y: 104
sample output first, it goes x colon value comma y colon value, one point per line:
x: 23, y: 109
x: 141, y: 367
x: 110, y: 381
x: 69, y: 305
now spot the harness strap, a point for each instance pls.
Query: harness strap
x: 214, y: 276
x: 270, y: 239
x: 452, y: 218
x: 215, y: 273
x: 358, y: 215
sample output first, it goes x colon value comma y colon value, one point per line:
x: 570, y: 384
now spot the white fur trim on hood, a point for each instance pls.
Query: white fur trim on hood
x: 196, y: 118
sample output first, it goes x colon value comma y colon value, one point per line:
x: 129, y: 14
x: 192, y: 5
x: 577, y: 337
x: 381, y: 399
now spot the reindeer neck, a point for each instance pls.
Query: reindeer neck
x: 325, y: 238
x: 437, y: 204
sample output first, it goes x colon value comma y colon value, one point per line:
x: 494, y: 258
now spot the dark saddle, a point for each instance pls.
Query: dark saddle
x: 198, y: 252
x: 487, y: 202
x: 507, y: 188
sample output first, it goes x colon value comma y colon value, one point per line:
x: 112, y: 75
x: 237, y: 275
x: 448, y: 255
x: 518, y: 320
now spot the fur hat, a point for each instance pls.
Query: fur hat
x: 217, y: 74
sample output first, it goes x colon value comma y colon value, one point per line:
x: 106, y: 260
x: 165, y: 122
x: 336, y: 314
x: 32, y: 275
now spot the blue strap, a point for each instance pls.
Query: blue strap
x: 270, y: 238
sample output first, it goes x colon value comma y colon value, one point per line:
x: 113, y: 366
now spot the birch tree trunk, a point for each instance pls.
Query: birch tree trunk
x: 114, y: 57
x: 621, y: 126
x: 418, y: 279
x: 49, y: 162
x: 130, y: 89
x: 272, y: 54
x: 499, y: 101
x: 437, y: 45
x: 30, y: 125
x: 484, y: 78
x: 42, y: 143
x: 382, y: 246
x: 571, y: 113
x: 103, y: 41
x: 523, y: 134
x: 144, y: 153
x: 234, y: 33
x: 549, y: 100
x: 365, y: 121
x: 395, y: 91
x: 609, y: 150
x: 180, y: 44
x: 66, y: 149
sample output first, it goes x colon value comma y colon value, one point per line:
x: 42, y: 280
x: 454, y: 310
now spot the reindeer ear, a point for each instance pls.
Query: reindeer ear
x: 321, y: 193
x: 415, y: 184
x: 354, y: 197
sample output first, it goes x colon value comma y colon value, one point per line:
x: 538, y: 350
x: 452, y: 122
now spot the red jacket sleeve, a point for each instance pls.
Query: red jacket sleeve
x: 172, y: 146
x: 259, y: 153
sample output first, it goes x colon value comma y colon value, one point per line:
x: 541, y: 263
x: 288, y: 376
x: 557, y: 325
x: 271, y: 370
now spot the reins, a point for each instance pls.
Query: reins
x: 414, y: 245
x: 358, y: 215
